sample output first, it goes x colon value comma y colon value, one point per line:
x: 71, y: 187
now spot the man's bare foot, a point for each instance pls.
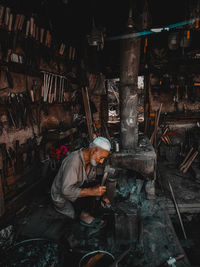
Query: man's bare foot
x: 88, y: 219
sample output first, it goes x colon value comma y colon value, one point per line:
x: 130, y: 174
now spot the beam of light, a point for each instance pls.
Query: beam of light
x: 153, y: 30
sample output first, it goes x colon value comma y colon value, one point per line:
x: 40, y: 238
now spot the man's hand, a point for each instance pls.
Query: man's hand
x: 105, y: 202
x: 98, y: 190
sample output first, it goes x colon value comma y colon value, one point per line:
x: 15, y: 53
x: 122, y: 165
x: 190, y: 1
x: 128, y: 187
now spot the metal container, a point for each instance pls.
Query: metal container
x: 104, y: 259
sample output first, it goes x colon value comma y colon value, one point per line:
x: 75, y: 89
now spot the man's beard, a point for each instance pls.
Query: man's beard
x: 93, y: 162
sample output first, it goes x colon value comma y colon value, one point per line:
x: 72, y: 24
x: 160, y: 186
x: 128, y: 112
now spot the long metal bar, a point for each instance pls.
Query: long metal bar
x: 177, y: 209
x: 187, y: 157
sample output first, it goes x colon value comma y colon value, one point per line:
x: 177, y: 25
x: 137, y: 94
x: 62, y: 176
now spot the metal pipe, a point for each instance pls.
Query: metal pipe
x: 177, y: 209
x: 130, y: 55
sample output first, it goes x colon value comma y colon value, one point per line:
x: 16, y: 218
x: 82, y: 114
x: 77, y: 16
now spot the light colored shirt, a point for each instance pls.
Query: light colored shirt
x: 69, y: 179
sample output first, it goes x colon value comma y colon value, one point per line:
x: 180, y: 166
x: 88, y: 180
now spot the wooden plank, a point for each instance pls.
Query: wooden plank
x: 87, y: 112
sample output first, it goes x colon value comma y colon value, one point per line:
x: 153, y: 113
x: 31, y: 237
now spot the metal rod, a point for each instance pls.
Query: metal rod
x: 55, y: 88
x: 186, y: 158
x: 177, y: 209
x: 189, y: 162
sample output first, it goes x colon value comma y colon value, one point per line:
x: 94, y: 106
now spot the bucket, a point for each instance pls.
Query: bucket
x: 97, y: 258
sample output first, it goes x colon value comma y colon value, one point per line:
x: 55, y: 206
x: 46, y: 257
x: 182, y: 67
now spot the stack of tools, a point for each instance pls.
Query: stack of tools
x: 22, y: 40
x: 165, y: 137
x: 18, y: 110
x: 54, y: 87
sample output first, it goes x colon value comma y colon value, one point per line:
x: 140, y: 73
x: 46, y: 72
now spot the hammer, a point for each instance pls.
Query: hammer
x: 107, y: 170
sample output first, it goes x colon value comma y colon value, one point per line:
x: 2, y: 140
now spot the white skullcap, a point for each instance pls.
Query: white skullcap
x: 102, y: 142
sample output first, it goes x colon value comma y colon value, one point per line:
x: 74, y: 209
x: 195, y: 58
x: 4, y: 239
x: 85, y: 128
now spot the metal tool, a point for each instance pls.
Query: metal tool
x: 172, y: 260
x: 55, y: 89
x: 50, y: 88
x: 186, y: 158
x: 107, y: 170
x: 177, y: 209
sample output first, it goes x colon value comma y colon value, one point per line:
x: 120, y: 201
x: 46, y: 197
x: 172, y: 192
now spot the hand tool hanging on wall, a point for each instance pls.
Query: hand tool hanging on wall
x: 9, y: 80
x: 60, y: 90
x: 4, y: 36
x: 27, y: 44
x: 50, y: 88
x: 11, y: 114
x: 72, y: 53
x: 53, y: 87
x: 6, y: 18
x: 10, y: 28
x: 1, y: 32
x: 62, y: 49
x: 15, y: 38
x: 1, y: 14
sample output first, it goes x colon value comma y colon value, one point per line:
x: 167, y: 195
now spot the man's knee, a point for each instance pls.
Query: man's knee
x: 66, y: 209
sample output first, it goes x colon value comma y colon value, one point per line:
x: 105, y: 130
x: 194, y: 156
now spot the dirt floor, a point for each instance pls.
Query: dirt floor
x: 40, y: 235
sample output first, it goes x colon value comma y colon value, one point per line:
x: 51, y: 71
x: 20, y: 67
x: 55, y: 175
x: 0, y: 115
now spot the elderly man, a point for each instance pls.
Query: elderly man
x: 68, y: 195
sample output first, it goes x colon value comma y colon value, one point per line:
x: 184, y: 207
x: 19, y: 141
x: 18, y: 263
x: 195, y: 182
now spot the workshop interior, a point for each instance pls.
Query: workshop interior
x: 129, y: 71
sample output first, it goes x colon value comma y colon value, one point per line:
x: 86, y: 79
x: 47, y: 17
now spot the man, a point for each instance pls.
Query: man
x: 67, y: 192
